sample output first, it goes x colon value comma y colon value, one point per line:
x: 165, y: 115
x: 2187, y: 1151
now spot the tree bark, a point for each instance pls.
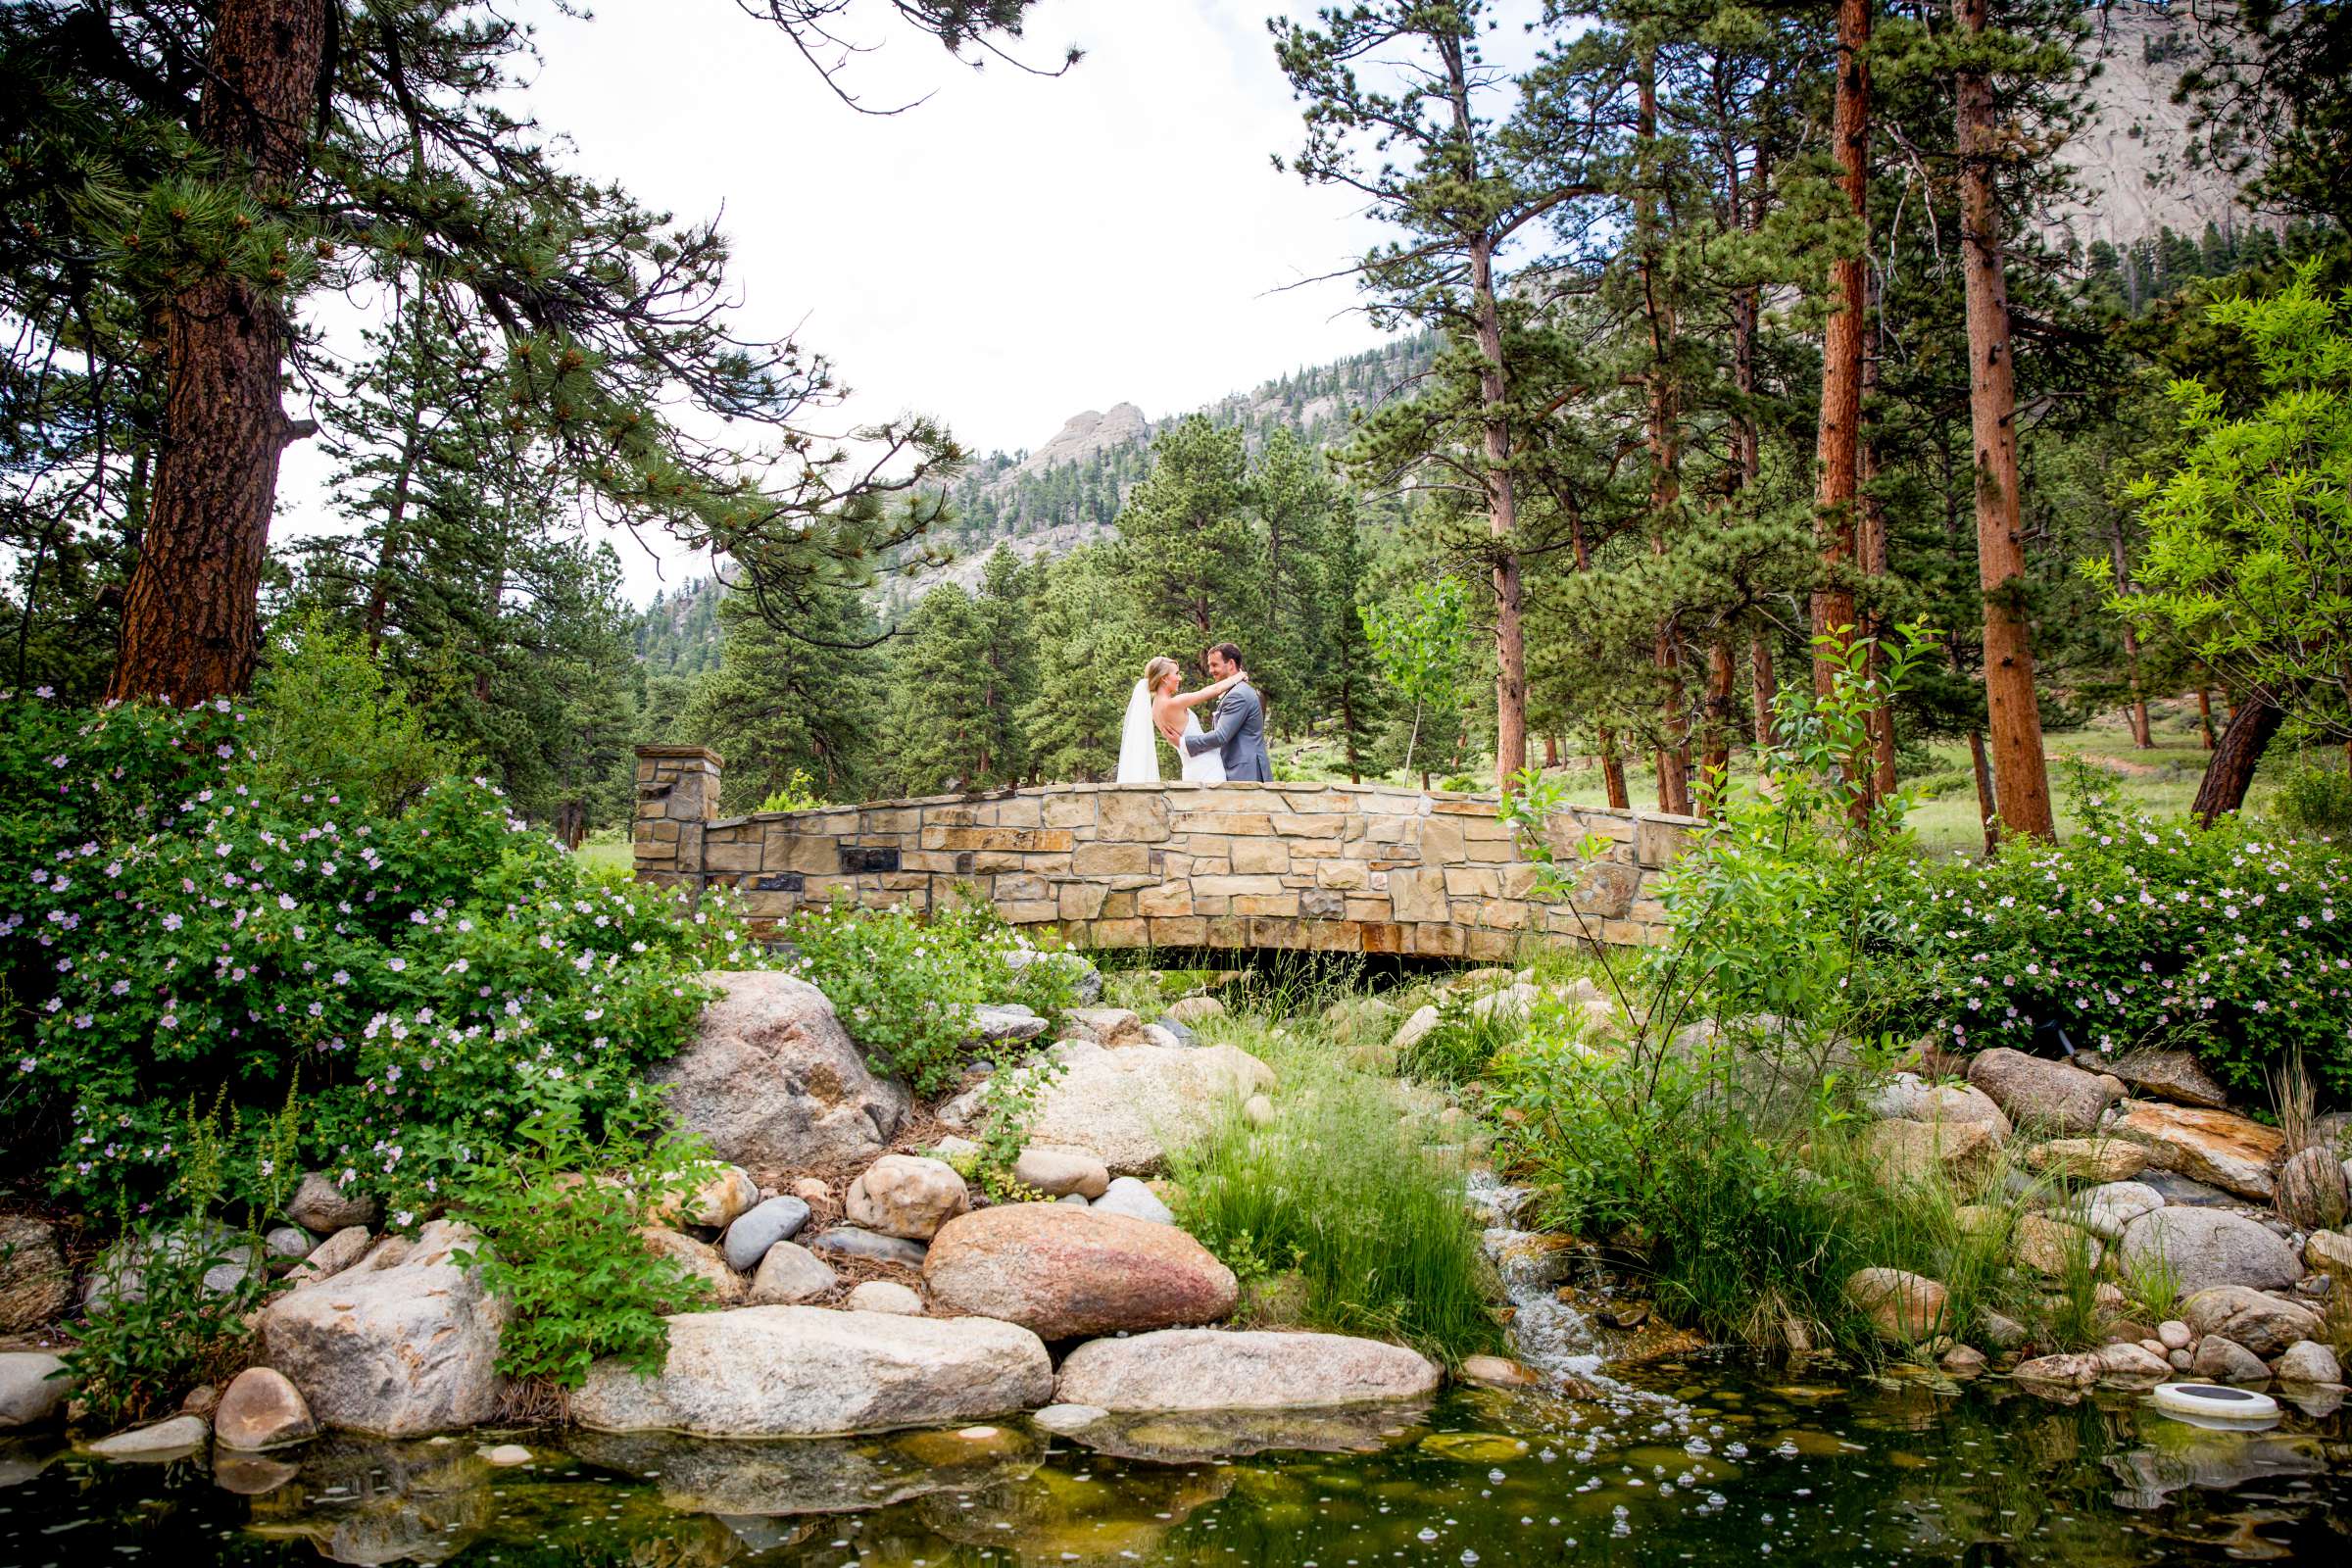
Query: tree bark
x: 2021, y: 775
x: 1763, y: 685
x: 1871, y: 542
x: 2230, y: 768
x: 2205, y: 715
x: 190, y: 621
x: 1987, y: 809
x: 1838, y: 433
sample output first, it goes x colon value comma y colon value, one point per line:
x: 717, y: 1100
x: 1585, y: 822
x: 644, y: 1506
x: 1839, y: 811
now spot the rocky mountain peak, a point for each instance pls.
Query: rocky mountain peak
x: 1084, y: 435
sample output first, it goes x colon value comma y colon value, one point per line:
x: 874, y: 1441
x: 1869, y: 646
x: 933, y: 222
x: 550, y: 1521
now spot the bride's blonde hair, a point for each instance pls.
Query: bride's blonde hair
x: 1158, y: 670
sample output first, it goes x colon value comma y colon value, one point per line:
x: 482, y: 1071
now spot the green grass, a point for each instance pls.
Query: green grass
x: 608, y: 851
x: 1345, y: 1195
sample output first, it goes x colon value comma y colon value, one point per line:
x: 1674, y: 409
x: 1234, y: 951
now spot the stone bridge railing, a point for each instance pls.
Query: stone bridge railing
x: 1348, y: 867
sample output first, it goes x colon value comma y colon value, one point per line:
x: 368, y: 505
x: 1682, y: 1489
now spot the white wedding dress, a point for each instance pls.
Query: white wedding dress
x: 1140, y: 741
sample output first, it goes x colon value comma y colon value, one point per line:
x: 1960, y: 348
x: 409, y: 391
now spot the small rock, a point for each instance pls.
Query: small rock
x: 2308, y: 1361
x: 289, y: 1243
x: 2174, y: 1334
x: 2003, y: 1333
x: 165, y: 1439
x: 330, y: 1257
x: 847, y: 1241
x: 1192, y: 1009
x: 321, y: 1208
x: 2051, y: 1249
x: 1086, y: 981
x: 1129, y: 1196
x: 2227, y: 1361
x: 262, y: 1410
x: 713, y: 1202
x: 954, y: 1149
x: 721, y: 1285
x: 1078, y: 1199
x: 2155, y: 1346
x: 1067, y: 1418
x: 2182, y: 1359
x: 1168, y: 1034
x: 2076, y: 1370
x: 906, y: 1196
x: 2329, y: 1252
x: 1259, y: 1110
x: 1908, y: 1097
x: 1901, y: 1306
x: 1415, y: 1029
x: 810, y: 1190
x: 2262, y: 1324
x: 2169, y: 1075
x: 761, y: 1227
x: 2183, y: 1191
x: 885, y: 1296
x: 2134, y: 1362
x: 35, y: 1285
x: 1062, y: 1172
x: 1911, y: 1152
x: 2312, y: 1191
x: 32, y: 1388
x: 1106, y: 1026
x: 1063, y: 1272
x: 2105, y: 1210
x: 790, y: 1274
x: 202, y: 1399
x: 2088, y: 1160
x: 1008, y: 1023
x: 1962, y: 1361
x: 1497, y: 1372
x: 506, y: 1456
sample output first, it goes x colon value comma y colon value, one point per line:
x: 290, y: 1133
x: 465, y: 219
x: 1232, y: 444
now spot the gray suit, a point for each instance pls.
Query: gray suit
x: 1239, y: 736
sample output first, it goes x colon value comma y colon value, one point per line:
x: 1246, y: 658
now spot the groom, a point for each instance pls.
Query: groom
x: 1239, y: 733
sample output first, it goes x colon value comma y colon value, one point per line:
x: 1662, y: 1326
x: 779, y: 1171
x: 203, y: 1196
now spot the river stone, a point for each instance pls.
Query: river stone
x: 1063, y: 1419
x: 1903, y: 1153
x: 165, y: 1439
x: 1418, y: 1027
x: 2208, y: 1247
x: 1065, y: 1272
x: 807, y: 1371
x: 772, y: 1082
x: 761, y: 1227
x: 790, y: 1274
x: 700, y: 1260
x: 2328, y: 1253
x: 906, y: 1196
x: 331, y: 1256
x: 1086, y: 981
x: 262, y: 1410
x: 713, y: 1201
x: 2036, y: 1092
x: 2312, y: 1191
x: 1134, y: 1200
x: 2262, y: 1324
x: 1106, y: 1026
x: 2050, y: 1248
x: 1495, y: 1372
x: 287, y: 1244
x: 2077, y: 1369
x: 400, y: 1344
x: 1061, y: 1172
x: 884, y: 1296
x: 121, y: 1271
x: 2173, y: 1075
x: 2132, y: 1361
x: 1901, y: 1306
x: 2181, y: 1192
x: 30, y: 1394
x: 1216, y: 1369
x: 2227, y: 1151
x: 2087, y: 1159
x: 1003, y: 1025
x: 847, y: 1241
x: 35, y: 1286
x: 1907, y: 1097
x: 1127, y: 1107
x: 1189, y: 1011
x: 2224, y: 1360
x: 2308, y: 1361
x: 320, y: 1206
x: 2105, y: 1210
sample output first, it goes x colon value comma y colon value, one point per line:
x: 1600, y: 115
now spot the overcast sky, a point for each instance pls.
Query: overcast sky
x: 1004, y: 254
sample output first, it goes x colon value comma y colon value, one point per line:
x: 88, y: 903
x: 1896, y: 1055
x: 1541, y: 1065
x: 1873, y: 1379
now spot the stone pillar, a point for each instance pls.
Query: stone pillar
x: 677, y: 792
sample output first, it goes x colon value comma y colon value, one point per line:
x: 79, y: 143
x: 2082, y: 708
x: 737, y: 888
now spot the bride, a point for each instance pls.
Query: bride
x: 1156, y: 705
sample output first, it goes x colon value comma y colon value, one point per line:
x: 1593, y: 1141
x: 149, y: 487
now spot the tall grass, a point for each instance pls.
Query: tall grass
x: 1340, y: 1191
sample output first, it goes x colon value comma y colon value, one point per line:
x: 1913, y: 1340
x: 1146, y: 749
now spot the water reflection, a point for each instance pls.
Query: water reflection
x: 1707, y: 1463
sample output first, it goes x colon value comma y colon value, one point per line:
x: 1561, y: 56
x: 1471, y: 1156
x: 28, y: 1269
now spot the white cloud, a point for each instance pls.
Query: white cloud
x: 1010, y: 252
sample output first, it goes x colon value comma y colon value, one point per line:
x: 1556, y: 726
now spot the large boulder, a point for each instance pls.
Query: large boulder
x: 2036, y: 1091
x: 1907, y: 1097
x: 2087, y: 1159
x: 35, y: 1285
x: 1128, y: 1107
x: 1065, y: 1271
x: 1215, y: 1369
x: 906, y: 1196
x: 2312, y: 1194
x: 807, y: 1371
x: 2105, y: 1210
x: 773, y: 1081
x: 2209, y: 1247
x: 2262, y: 1324
x: 2228, y: 1150
x: 1900, y: 1305
x: 400, y: 1344
x: 2173, y: 1075
x: 1904, y: 1152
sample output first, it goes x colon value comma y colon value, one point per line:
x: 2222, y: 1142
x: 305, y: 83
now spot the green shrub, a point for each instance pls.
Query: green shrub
x: 433, y: 979
x: 1340, y: 1191
x: 905, y: 984
x: 2313, y: 802
x: 2136, y: 932
x: 558, y: 1212
x: 160, y: 1330
x: 797, y: 793
x: 326, y: 717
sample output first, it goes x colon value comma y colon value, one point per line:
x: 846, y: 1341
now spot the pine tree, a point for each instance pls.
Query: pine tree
x: 774, y: 707
x: 1189, y: 559
x: 1091, y: 650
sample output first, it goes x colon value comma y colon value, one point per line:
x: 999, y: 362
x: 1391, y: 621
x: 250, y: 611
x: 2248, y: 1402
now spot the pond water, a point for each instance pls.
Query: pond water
x: 1698, y: 1461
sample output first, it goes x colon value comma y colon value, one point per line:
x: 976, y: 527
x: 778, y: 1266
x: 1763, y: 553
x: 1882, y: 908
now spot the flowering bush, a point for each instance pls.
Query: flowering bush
x: 905, y: 984
x: 2140, y: 932
x: 171, y: 929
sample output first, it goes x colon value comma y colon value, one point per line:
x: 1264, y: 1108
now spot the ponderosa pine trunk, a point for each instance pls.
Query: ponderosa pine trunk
x: 2205, y: 715
x: 2020, y: 777
x: 2229, y: 770
x: 1838, y: 432
x: 190, y: 620
x: 1870, y: 543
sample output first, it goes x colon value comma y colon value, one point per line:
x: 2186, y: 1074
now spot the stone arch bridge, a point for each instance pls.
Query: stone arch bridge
x: 1317, y: 867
